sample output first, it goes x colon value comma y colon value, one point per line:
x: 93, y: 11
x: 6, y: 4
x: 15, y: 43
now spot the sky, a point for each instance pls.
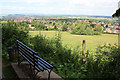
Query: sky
x: 59, y: 7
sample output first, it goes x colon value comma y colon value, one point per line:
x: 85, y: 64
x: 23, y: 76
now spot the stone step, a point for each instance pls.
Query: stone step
x: 41, y: 75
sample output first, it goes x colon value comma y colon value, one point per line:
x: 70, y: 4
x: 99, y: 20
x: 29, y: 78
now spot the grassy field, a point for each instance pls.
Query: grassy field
x: 76, y: 40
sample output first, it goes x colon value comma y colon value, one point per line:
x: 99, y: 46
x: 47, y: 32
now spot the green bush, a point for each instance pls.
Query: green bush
x: 105, y: 63
x: 50, y: 47
x: 11, y: 33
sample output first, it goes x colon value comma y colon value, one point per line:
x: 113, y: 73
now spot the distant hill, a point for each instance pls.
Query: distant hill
x: 102, y: 16
x: 58, y: 15
x: 16, y: 15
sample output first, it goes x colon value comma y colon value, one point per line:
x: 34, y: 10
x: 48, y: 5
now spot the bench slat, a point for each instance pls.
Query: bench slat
x: 40, y: 62
x: 32, y: 57
x: 26, y: 46
x: 39, y: 58
x: 41, y: 69
x: 36, y: 61
x: 25, y: 52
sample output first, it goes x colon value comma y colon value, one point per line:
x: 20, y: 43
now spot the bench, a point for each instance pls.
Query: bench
x: 34, y: 60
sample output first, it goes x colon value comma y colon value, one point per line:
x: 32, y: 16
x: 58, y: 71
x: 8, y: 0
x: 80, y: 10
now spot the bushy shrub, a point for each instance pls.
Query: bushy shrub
x: 105, y: 63
x: 42, y: 45
x: 11, y: 33
x: 50, y: 47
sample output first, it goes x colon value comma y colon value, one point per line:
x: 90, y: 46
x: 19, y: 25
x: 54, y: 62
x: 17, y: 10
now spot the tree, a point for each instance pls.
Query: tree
x: 98, y: 28
x: 93, y: 25
x: 55, y: 27
x: 106, y: 26
x: 53, y: 24
x: 117, y: 14
x: 83, y: 29
x: 42, y: 26
x: 64, y: 28
x: 50, y: 22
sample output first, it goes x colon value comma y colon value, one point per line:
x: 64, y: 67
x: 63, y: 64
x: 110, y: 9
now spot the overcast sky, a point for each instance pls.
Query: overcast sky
x: 59, y: 7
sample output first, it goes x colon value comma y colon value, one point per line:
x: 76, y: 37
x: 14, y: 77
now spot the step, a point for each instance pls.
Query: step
x: 41, y: 75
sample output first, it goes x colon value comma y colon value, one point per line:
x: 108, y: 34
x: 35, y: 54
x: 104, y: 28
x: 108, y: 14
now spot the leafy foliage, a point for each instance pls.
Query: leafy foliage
x: 98, y: 28
x: 83, y: 29
x: 11, y: 33
x: 106, y: 62
x: 64, y: 28
x: 117, y: 14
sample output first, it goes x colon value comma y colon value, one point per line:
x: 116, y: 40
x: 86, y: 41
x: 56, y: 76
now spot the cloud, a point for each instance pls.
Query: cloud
x: 26, y: 1
x: 86, y: 3
x: 98, y: 7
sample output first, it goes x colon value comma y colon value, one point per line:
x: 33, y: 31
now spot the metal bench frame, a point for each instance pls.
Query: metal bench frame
x: 34, y: 60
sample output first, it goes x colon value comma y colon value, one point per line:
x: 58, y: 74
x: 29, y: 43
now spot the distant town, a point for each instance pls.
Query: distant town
x: 107, y: 24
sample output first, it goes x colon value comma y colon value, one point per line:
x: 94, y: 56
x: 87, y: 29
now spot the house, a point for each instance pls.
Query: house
x: 117, y: 27
x: 108, y: 30
x: 31, y: 27
x: 116, y: 31
x: 51, y: 27
x: 57, y: 26
x: 69, y: 29
x: 112, y: 30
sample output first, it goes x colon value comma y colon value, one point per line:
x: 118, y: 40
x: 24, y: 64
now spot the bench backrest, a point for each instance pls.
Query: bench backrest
x: 32, y: 57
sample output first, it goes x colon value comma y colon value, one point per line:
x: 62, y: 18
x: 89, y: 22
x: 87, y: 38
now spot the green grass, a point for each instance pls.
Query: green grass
x: 76, y: 40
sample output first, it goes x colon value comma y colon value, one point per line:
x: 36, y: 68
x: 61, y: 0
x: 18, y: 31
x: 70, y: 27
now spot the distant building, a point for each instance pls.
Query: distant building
x: 108, y: 30
x: 69, y: 29
x: 31, y: 27
x: 112, y: 30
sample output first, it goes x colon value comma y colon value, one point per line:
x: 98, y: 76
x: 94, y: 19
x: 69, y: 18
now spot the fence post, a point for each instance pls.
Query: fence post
x: 83, y: 50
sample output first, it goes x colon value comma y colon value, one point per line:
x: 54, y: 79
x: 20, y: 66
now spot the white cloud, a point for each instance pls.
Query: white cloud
x: 86, y: 3
x: 98, y: 7
x: 26, y: 1
x: 38, y: 1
